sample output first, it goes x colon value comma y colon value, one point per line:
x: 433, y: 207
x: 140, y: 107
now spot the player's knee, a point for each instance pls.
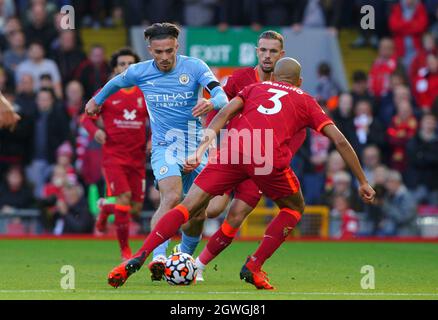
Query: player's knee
x: 213, y: 212
x: 170, y: 199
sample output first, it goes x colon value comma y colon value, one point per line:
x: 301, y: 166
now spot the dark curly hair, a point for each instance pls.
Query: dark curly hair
x: 123, y: 52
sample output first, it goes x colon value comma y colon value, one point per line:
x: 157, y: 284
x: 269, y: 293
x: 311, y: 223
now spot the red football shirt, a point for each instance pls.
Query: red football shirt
x: 236, y: 82
x: 124, y: 118
x: 284, y: 109
x: 240, y: 79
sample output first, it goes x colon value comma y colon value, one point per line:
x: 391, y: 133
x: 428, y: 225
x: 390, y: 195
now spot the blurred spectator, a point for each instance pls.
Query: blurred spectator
x: 426, y: 83
x: 7, y: 10
x: 13, y: 24
x: 96, y: 13
x: 322, y: 14
x: 94, y: 72
x: 64, y: 158
x: 315, y: 151
x: 422, y: 151
x: 54, y: 187
x: 403, y: 127
x: 334, y: 164
x: 205, y: 12
x: 46, y: 81
x: 342, y: 186
x: 15, y: 145
x: 72, y: 214
x: 41, y: 26
x: 26, y: 95
x: 365, y: 129
x: 344, y: 112
x: 399, y: 207
x: 433, y: 29
x: 278, y: 13
x: 238, y: 13
x: 408, y: 21
x: 37, y: 65
x: 371, y: 159
x: 68, y: 56
x: 398, y: 90
x: 74, y: 104
x: 374, y: 212
x: 359, y: 87
x: 165, y: 10
x: 384, y: 65
x: 51, y: 130
x: 326, y: 87
x: 89, y: 157
x: 15, y: 193
x: 420, y: 60
x: 50, y: 7
x: 16, y: 53
x: 349, y: 221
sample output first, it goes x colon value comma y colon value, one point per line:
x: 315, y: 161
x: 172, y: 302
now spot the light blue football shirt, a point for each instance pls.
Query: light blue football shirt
x: 170, y: 98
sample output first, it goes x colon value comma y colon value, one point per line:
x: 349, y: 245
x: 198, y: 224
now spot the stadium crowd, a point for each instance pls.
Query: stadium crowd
x: 390, y: 114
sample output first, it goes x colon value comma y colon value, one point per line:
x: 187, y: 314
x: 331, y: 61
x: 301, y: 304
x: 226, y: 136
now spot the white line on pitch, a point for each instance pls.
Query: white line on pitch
x: 227, y: 292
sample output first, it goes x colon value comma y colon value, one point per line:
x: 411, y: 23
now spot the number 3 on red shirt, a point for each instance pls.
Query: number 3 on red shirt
x: 277, y: 103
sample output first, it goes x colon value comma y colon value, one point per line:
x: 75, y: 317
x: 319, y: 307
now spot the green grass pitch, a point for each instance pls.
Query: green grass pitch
x: 31, y: 269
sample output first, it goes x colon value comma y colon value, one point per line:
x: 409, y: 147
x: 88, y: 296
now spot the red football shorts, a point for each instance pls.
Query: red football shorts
x: 121, y: 179
x: 217, y: 179
x: 247, y: 191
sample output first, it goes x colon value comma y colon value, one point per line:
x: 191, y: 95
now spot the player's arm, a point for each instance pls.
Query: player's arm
x: 90, y: 124
x: 206, y: 79
x: 8, y: 117
x: 124, y: 80
x: 350, y: 157
x: 217, y: 101
x: 210, y: 133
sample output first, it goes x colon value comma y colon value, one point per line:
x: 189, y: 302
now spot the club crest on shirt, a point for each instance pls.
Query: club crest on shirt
x: 184, y: 79
x: 163, y: 170
x: 139, y: 103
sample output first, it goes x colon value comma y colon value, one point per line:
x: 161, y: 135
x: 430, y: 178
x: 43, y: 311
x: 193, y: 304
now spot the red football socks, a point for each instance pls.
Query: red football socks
x: 275, y: 235
x: 218, y: 242
x: 166, y: 228
x: 121, y: 222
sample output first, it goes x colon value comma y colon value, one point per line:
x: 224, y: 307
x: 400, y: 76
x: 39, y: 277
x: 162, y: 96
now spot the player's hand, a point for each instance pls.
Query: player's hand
x: 92, y: 108
x: 367, y: 193
x: 8, y: 119
x: 100, y: 136
x: 192, y: 162
x: 203, y: 106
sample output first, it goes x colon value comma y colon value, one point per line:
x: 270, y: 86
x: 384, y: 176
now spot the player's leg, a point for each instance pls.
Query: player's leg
x: 283, y: 187
x: 224, y: 177
x: 291, y: 209
x: 165, y: 228
x: 191, y: 232
x: 122, y: 210
x: 246, y: 197
x: 214, y: 208
x: 217, y: 205
x: 117, y: 179
x: 105, y: 209
x: 168, y: 180
x: 170, y: 195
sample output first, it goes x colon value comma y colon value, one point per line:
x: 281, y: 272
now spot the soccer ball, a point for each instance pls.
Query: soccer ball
x: 180, y: 269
